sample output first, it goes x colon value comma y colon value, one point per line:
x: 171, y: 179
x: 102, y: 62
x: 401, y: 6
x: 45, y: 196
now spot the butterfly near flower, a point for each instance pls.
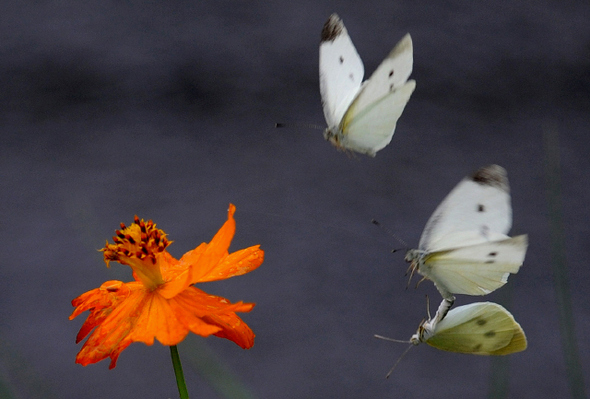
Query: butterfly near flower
x: 162, y: 302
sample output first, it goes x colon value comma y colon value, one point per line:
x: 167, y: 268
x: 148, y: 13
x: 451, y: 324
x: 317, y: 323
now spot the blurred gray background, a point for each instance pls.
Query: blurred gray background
x: 167, y: 109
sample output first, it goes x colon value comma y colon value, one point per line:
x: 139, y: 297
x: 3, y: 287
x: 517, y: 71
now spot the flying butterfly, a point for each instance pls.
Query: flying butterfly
x: 361, y: 116
x: 464, y: 248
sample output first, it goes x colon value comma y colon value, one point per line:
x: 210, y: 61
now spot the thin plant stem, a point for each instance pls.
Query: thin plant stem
x: 558, y: 254
x: 183, y: 392
x: 205, y: 362
x: 500, y: 365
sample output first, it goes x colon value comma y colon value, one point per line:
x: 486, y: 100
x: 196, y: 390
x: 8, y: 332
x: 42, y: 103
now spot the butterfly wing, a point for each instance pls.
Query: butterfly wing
x: 518, y: 343
x: 372, y: 129
x: 480, y: 202
x: 341, y: 70
x: 475, y: 269
x: 369, y: 123
x: 482, y: 328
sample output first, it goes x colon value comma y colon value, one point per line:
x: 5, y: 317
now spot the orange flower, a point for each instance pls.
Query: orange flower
x: 162, y: 303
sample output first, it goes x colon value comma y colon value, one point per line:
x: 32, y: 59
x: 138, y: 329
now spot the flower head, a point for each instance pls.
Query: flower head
x: 162, y: 303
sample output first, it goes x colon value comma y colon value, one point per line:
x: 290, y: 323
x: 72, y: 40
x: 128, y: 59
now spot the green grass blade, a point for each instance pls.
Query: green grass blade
x: 559, y: 260
x: 203, y: 360
x: 500, y: 365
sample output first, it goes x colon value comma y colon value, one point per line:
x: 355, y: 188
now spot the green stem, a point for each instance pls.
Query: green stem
x: 573, y: 365
x: 178, y: 372
x: 500, y: 365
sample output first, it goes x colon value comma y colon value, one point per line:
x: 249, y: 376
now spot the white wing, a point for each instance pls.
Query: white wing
x: 482, y: 328
x: 465, y: 238
x: 480, y: 202
x: 341, y: 70
x: 371, y: 129
x: 391, y: 75
x: 369, y: 123
x: 475, y: 269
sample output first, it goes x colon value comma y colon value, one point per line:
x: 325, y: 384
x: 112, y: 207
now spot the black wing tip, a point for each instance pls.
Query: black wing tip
x: 491, y: 175
x: 332, y: 28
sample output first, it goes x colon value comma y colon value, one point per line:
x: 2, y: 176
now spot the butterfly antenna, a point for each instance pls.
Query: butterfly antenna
x: 391, y: 233
x: 399, y: 360
x: 305, y: 125
x: 391, y: 339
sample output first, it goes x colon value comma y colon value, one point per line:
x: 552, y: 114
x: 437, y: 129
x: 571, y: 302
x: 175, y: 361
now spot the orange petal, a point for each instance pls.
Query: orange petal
x: 157, y: 320
x: 188, y: 310
x: 176, y: 273
x: 201, y: 304
x: 216, y: 249
x: 97, y: 297
x: 169, y: 266
x: 233, y: 328
x: 218, y: 314
x: 112, y: 335
x: 124, y: 313
x: 192, y: 257
x: 172, y: 288
x: 100, y: 302
x: 235, y: 264
x: 115, y: 353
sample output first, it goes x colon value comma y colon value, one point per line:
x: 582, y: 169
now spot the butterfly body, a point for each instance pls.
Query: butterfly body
x: 361, y: 116
x: 464, y: 248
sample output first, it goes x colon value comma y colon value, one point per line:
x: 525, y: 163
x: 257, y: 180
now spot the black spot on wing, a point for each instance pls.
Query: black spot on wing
x: 481, y: 322
x: 332, y: 28
x: 477, y: 347
x: 391, y: 86
x: 491, y: 255
x: 341, y: 60
x: 490, y: 334
x: 481, y: 208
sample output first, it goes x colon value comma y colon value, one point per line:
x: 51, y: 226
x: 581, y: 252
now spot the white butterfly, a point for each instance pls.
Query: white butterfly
x: 481, y: 328
x: 361, y: 117
x: 464, y: 248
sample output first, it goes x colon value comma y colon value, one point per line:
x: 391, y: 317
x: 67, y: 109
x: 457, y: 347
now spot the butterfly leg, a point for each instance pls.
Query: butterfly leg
x: 412, y: 269
x: 418, y: 283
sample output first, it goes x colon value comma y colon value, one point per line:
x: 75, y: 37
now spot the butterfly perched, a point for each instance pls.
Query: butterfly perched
x: 464, y: 248
x: 361, y: 116
x: 481, y: 328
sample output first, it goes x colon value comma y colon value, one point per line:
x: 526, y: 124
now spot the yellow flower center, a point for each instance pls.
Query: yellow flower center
x: 139, y: 247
